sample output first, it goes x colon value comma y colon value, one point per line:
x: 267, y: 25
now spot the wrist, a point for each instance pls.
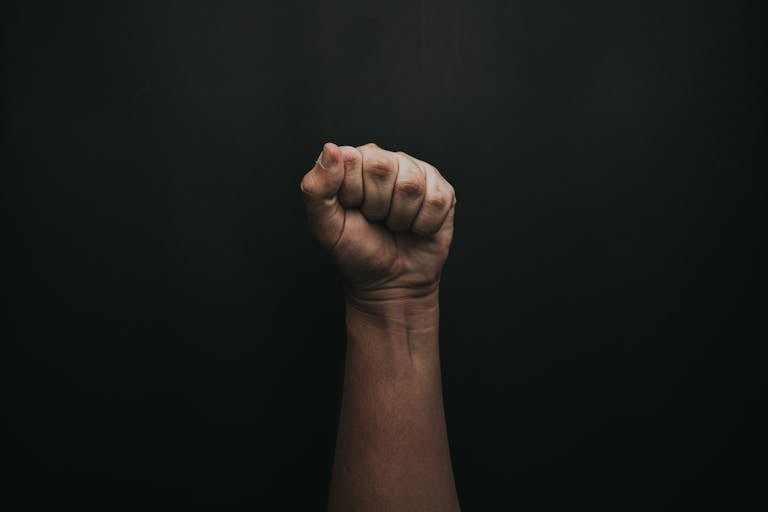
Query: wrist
x: 414, y: 311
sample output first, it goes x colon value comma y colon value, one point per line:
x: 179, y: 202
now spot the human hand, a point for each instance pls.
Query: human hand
x: 385, y: 217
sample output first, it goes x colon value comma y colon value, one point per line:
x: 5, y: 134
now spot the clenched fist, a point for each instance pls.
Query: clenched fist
x: 385, y: 217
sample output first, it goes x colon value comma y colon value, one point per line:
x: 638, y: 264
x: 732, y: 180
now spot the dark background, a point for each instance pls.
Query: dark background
x: 175, y: 335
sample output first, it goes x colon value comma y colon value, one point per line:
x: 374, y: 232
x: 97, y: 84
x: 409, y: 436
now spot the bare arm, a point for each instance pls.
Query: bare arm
x: 387, y: 219
x: 392, y: 447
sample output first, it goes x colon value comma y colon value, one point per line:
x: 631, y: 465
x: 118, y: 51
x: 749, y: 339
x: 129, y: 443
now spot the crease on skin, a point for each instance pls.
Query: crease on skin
x: 362, y: 183
x: 409, y: 344
x: 349, y: 164
x: 334, y: 199
x: 394, y: 186
x: 341, y: 231
x: 445, y: 217
x: 362, y: 176
x: 426, y: 189
x: 424, y: 172
x: 362, y: 172
x: 408, y: 341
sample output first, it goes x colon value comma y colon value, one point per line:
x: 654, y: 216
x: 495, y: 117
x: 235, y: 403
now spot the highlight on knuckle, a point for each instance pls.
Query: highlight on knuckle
x: 379, y: 173
x: 379, y: 168
x: 351, y: 164
x: 351, y: 158
x: 436, y: 202
x: 409, y: 187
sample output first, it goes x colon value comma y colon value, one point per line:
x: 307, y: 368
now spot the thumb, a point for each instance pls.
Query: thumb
x: 319, y: 187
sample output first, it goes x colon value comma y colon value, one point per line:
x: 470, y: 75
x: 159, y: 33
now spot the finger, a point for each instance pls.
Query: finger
x: 445, y: 232
x: 408, y: 193
x: 351, y: 191
x: 325, y: 177
x: 379, y: 174
x: 439, y: 200
x: 319, y: 187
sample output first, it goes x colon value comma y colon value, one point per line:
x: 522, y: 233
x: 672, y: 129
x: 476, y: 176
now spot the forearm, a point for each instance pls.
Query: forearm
x: 392, y: 447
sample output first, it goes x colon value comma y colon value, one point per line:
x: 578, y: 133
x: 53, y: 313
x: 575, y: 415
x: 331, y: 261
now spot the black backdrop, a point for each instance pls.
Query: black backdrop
x: 175, y: 335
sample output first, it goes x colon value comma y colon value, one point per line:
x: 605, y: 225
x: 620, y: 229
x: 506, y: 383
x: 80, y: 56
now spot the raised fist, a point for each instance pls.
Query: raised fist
x: 385, y: 217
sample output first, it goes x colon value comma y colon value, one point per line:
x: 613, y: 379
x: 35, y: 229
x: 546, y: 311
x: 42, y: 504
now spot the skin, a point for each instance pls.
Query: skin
x: 386, y: 218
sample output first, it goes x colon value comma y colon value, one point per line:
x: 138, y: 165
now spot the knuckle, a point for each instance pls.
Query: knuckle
x: 409, y: 187
x: 379, y: 172
x: 378, y: 166
x: 451, y: 192
x: 351, y: 157
x: 436, y: 202
x: 352, y: 167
